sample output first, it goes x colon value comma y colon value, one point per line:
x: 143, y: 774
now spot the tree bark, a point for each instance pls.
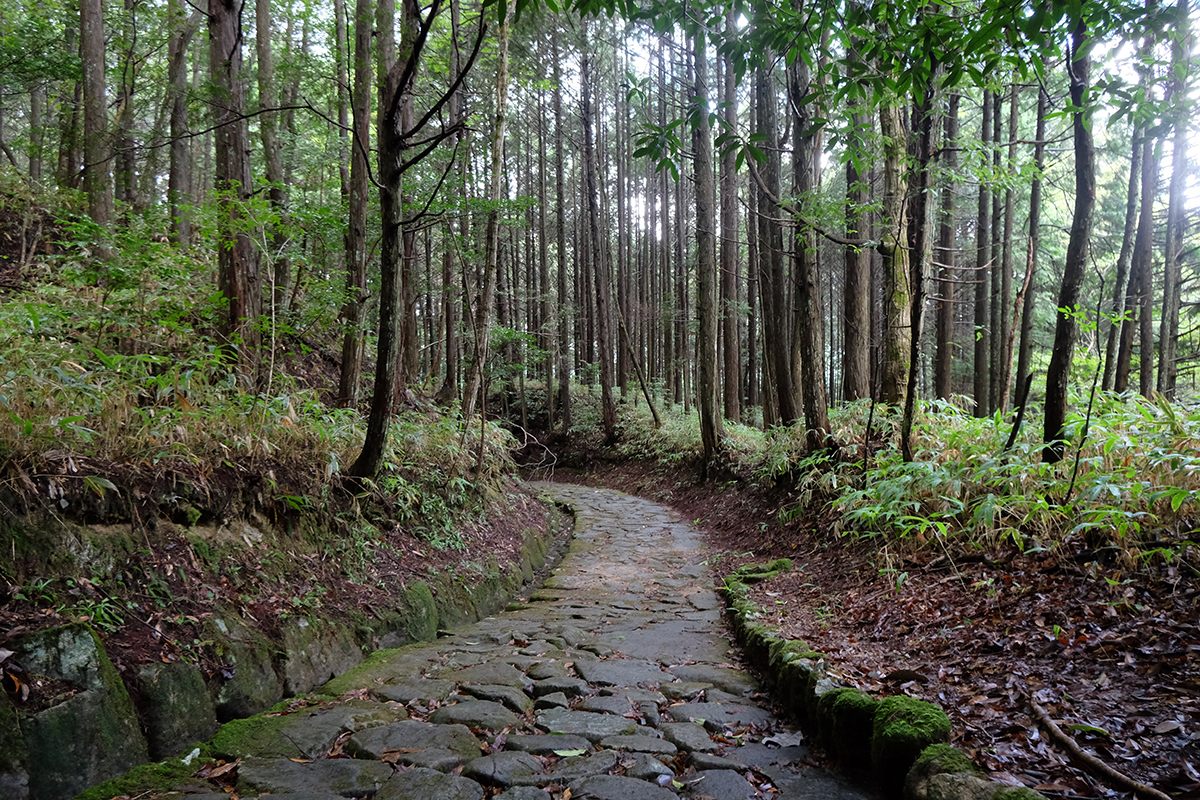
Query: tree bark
x: 944, y: 359
x: 268, y: 132
x: 1168, y: 337
x: 238, y: 259
x: 1121, y: 282
x: 179, y: 177
x: 1058, y: 375
x: 1035, y: 237
x: 983, y: 266
x: 97, y: 174
x: 731, y: 348
x: 893, y: 247
x: 706, y: 266
x: 560, y: 235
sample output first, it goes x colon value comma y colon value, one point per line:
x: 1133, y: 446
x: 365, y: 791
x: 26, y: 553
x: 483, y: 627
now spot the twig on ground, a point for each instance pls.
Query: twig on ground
x: 1087, y: 760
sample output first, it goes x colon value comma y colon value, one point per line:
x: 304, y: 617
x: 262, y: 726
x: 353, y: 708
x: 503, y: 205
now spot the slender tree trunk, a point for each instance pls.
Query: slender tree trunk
x: 1058, y: 375
x: 944, y: 359
x: 856, y: 289
x: 706, y: 266
x: 97, y: 175
x: 560, y: 235
x: 268, y: 133
x: 37, y: 131
x: 238, y: 259
x: 1121, y: 282
x: 1009, y: 313
x: 483, y: 313
x: 893, y: 246
x: 983, y: 267
x: 1137, y: 301
x: 810, y: 318
x: 1168, y: 337
x: 1035, y: 237
x: 998, y: 306
x: 179, y: 178
x: 353, y: 312
x: 729, y: 243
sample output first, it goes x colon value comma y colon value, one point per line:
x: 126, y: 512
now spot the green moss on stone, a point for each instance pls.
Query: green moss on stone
x: 902, y: 728
x: 150, y: 778
x: 939, y: 758
x: 853, y: 723
x: 755, y: 573
x: 420, y: 613
x: 1018, y: 793
x: 248, y: 735
x: 824, y: 716
x: 12, y: 743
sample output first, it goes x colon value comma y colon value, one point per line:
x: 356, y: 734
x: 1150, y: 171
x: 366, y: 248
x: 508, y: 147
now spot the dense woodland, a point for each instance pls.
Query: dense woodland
x: 758, y: 210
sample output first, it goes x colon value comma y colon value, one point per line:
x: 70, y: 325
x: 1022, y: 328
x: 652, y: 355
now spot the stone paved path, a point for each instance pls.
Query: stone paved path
x: 613, y: 683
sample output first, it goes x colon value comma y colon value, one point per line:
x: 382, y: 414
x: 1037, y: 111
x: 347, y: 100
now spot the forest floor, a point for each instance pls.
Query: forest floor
x: 1113, y: 658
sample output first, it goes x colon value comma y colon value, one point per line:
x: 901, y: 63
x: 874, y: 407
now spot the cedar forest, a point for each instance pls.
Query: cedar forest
x: 923, y: 277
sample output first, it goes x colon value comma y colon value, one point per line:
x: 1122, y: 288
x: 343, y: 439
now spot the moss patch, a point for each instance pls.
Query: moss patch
x: 902, y: 728
x: 148, y: 778
x: 853, y: 714
x: 1019, y: 793
x: 755, y: 573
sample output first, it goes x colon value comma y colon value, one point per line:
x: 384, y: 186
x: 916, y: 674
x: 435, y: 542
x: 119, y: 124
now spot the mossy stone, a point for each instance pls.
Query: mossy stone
x: 177, y: 709
x: 824, y: 718
x: 421, y: 613
x: 314, y: 652
x: 902, y: 727
x: 1018, y: 793
x: 755, y: 573
x: 249, y: 684
x: 853, y: 713
x: 149, y: 779
x: 14, y: 780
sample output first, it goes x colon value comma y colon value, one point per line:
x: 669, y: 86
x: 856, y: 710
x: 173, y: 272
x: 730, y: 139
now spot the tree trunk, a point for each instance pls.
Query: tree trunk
x: 1006, y: 263
x: 179, y: 177
x: 483, y: 312
x: 944, y: 359
x: 268, y: 133
x: 1035, y: 237
x: 731, y: 348
x: 706, y: 266
x: 983, y: 267
x: 1168, y: 337
x: 1058, y: 375
x: 601, y: 270
x: 237, y: 257
x: 893, y: 246
x: 560, y: 233
x: 1137, y: 303
x: 810, y: 318
x: 1121, y: 283
x: 97, y: 177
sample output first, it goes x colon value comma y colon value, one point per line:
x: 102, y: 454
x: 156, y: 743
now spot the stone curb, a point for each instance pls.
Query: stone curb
x: 97, y: 734
x: 902, y: 741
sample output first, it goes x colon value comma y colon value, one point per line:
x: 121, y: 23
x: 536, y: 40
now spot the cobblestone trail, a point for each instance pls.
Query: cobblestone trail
x: 613, y: 683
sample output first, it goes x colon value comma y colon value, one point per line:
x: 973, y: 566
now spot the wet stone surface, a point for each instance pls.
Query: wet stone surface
x: 613, y: 682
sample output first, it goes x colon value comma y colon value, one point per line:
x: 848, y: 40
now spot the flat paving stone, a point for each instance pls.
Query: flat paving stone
x: 523, y: 793
x: 575, y: 767
x: 730, y: 680
x: 501, y: 673
x: 640, y: 744
x: 344, y: 777
x: 506, y: 768
x: 617, y: 787
x: 419, y: 691
x: 417, y: 744
x: 476, y: 714
x: 428, y: 784
x: 620, y: 672
x: 587, y: 724
x: 719, y: 714
x: 719, y: 784
x: 544, y: 744
x: 644, y: 766
x: 688, y: 736
x: 510, y: 696
x: 571, y: 687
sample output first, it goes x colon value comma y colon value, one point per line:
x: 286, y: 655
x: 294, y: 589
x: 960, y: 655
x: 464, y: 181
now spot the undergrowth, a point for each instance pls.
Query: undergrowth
x: 1133, y: 493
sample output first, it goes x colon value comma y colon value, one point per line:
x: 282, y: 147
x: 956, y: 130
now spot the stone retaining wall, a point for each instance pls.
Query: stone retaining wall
x: 88, y: 726
x: 900, y: 739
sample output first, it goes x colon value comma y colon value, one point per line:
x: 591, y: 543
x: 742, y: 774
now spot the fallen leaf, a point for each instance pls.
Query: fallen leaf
x: 1168, y: 726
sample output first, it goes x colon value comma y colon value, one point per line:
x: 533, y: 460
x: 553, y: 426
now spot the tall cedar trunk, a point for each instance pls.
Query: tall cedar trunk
x: 395, y: 78
x: 893, y: 246
x: 1024, y: 355
x: 925, y: 121
x: 97, y: 180
x: 273, y: 161
x: 1009, y: 316
x: 237, y: 258
x: 753, y: 395
x: 983, y: 266
x: 731, y: 347
x: 706, y: 263
x: 560, y: 234
x: 621, y: 157
x: 856, y: 292
x: 1121, y: 282
x: 546, y: 327
x: 353, y: 312
x: 454, y: 228
x: 1058, y: 375
x: 944, y: 359
x: 1140, y: 274
x: 179, y: 176
x: 601, y: 270
x: 483, y: 311
x: 341, y: 43
x: 810, y: 318
x: 773, y: 287
x: 1168, y: 337
x: 125, y: 179
x: 37, y: 132
x: 997, y: 306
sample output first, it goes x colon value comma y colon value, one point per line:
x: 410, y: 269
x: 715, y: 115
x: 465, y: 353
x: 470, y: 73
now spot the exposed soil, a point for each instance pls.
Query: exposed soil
x: 1114, y: 656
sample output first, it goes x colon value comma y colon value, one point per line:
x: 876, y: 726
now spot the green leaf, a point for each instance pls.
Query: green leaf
x: 569, y: 753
